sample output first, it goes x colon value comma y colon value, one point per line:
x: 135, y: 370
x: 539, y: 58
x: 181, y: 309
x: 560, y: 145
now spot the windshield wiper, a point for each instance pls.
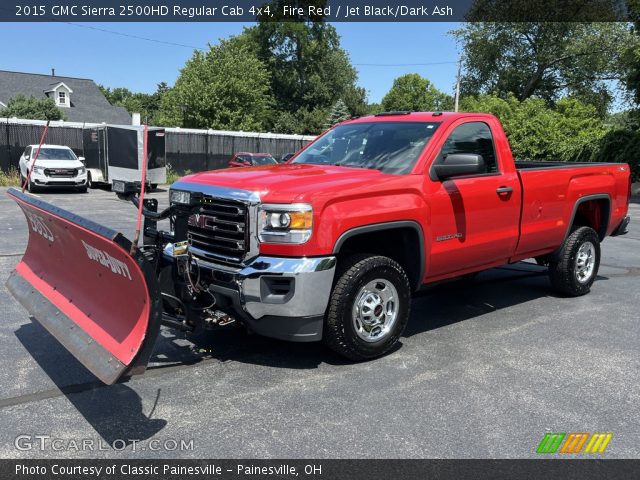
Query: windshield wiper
x: 354, y: 165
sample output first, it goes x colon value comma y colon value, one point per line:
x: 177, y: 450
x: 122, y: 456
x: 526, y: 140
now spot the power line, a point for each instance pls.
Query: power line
x: 147, y: 39
x: 400, y: 64
x: 174, y: 44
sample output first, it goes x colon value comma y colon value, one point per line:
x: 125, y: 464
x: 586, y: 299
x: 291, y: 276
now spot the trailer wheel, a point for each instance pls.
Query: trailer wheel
x: 369, y: 307
x: 576, y: 266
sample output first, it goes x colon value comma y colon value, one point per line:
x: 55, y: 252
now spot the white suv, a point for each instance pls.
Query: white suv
x: 56, y: 166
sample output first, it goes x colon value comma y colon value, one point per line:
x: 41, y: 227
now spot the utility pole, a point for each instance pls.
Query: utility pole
x: 458, y: 84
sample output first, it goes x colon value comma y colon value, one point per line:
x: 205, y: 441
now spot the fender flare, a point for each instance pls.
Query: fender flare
x: 377, y: 227
x: 605, y: 224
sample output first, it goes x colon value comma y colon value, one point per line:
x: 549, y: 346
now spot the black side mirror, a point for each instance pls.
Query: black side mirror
x: 457, y: 165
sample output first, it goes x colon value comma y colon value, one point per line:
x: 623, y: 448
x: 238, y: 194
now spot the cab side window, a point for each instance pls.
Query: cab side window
x: 475, y: 138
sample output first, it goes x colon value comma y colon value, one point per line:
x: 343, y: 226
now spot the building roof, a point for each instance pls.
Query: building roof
x: 88, y: 104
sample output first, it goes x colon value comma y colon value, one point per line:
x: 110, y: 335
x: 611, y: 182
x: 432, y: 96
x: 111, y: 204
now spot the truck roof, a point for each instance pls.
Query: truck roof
x: 416, y: 117
x: 45, y: 145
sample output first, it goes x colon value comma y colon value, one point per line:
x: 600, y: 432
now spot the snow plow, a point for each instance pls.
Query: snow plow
x: 79, y: 280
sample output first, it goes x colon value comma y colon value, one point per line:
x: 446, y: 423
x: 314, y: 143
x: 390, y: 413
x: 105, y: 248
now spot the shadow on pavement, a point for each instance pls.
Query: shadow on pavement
x: 115, y: 412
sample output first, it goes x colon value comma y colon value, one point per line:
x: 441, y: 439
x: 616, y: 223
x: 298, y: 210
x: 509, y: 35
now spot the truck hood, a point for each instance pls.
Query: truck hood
x: 292, y: 182
x: 57, y: 163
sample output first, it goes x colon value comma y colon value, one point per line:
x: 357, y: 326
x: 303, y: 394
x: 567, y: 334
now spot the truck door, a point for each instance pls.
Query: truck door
x: 475, y: 218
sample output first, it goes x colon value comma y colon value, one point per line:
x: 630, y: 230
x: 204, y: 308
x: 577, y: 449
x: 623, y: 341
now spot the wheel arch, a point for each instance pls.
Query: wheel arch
x: 591, y: 211
x: 375, y: 238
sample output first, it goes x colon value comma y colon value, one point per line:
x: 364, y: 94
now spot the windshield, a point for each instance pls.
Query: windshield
x: 267, y: 160
x: 391, y: 147
x: 54, y: 154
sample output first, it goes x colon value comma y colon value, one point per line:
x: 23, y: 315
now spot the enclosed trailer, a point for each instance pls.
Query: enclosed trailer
x: 116, y: 153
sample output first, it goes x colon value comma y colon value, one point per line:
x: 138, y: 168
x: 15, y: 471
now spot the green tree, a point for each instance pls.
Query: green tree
x: 546, y: 59
x: 339, y: 113
x: 569, y: 131
x: 226, y: 87
x: 632, y: 64
x: 145, y: 104
x: 32, y: 108
x: 415, y: 93
x: 308, y: 70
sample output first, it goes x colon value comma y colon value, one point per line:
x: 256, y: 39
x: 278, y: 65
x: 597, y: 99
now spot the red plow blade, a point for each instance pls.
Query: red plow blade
x: 79, y: 281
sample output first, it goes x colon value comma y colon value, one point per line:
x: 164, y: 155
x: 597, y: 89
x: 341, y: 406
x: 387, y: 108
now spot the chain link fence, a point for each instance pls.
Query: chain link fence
x: 186, y: 149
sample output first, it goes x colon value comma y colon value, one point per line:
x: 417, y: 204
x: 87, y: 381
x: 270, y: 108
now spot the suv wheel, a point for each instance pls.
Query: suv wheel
x: 31, y: 187
x: 369, y: 307
x: 576, y: 267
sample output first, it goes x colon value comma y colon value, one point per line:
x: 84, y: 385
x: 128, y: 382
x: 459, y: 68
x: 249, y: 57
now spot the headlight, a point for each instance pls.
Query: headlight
x: 278, y: 223
x: 38, y: 170
x: 178, y: 196
x: 81, y: 170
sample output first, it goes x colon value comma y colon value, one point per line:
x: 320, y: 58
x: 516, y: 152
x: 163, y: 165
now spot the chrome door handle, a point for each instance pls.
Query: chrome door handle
x: 503, y: 190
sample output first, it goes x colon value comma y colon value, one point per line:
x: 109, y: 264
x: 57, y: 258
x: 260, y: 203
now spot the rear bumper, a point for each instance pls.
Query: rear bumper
x: 622, y: 228
x: 278, y: 297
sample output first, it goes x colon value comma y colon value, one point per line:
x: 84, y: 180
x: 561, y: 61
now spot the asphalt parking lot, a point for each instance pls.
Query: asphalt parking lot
x: 485, y: 370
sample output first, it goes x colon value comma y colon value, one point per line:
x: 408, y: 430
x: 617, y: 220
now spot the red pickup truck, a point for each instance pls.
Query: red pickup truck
x: 331, y: 245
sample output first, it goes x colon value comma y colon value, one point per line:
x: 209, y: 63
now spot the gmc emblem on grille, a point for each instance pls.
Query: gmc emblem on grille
x: 202, y: 221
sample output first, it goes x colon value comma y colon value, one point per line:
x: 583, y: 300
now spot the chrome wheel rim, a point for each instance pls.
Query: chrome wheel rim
x: 585, y: 262
x: 375, y: 310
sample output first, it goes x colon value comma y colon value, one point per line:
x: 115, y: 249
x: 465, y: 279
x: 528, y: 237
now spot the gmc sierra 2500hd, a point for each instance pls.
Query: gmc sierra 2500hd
x: 329, y: 246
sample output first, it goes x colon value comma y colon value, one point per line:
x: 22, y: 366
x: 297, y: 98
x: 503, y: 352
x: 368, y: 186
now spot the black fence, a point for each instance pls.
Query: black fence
x: 15, y: 137
x: 187, y: 150
x: 194, y: 152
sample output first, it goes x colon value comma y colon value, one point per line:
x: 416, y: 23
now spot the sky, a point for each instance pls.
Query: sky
x: 379, y: 51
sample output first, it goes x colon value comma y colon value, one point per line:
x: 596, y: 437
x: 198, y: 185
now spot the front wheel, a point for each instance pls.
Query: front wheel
x: 369, y: 307
x: 31, y: 187
x: 576, y: 267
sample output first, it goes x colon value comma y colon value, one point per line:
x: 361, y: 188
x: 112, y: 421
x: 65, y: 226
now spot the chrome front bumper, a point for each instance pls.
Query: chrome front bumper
x: 306, y: 281
x: 279, y: 297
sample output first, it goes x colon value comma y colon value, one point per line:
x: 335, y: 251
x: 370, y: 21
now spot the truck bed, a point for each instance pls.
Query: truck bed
x: 530, y: 165
x: 550, y: 200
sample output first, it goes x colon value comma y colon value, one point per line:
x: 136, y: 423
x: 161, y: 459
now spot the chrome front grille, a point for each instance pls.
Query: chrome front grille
x: 220, y: 230
x: 60, y: 172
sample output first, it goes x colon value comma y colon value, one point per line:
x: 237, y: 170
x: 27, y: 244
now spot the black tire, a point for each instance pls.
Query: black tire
x: 353, y: 275
x: 31, y: 187
x: 564, y: 270
x: 154, y: 186
x: 82, y: 189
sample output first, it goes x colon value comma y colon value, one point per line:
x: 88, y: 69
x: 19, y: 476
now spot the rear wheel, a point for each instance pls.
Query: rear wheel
x: 576, y: 267
x: 369, y: 307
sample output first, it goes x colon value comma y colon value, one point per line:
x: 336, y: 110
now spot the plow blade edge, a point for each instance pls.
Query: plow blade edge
x: 79, y: 281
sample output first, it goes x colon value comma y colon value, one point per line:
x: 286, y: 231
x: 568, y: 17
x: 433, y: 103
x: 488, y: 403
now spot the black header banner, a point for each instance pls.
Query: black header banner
x: 318, y: 469
x: 313, y: 10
